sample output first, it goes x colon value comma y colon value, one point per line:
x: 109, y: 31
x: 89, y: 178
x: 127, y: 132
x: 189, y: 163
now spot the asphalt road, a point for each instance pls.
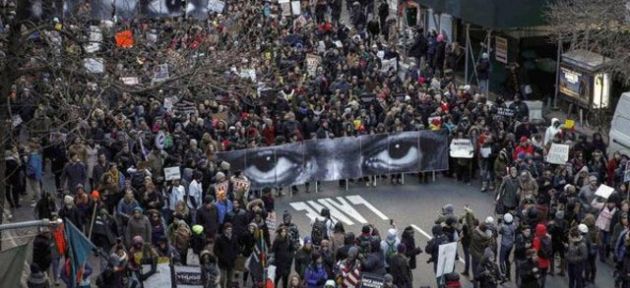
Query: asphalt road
x: 412, y: 204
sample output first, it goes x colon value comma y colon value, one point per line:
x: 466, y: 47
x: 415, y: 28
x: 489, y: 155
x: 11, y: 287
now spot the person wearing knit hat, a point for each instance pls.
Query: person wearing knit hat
x: 399, y: 267
x: 70, y: 212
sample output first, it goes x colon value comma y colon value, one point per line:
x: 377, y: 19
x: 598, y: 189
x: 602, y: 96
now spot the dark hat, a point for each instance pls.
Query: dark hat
x: 401, y: 248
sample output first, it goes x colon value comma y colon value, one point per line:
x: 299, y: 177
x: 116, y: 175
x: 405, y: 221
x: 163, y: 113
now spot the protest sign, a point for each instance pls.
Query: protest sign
x: 369, y: 280
x: 187, y: 276
x: 505, y: 112
x: 130, y: 80
x: 569, y: 124
x: 285, y: 6
x: 248, y: 73
x: 216, y: 6
x: 312, y: 62
x: 389, y: 64
x: 462, y: 148
x: 446, y: 259
x: 485, y: 152
x: 296, y: 8
x: 604, y: 191
x: 96, y: 37
x: 626, y: 174
x: 162, y: 277
x: 172, y: 173
x: 94, y: 65
x: 558, y: 154
x: 160, y: 73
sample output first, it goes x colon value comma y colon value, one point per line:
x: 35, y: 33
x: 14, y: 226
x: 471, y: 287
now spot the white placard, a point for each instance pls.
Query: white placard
x: 296, y: 8
x: 95, y: 39
x: 462, y: 148
x: 558, y: 154
x: 94, y: 65
x: 130, y: 80
x: 338, y: 44
x: 161, y: 73
x: 604, y: 191
x: 172, y: 173
x: 485, y: 152
x: 446, y: 259
x: 312, y: 62
x: 389, y: 64
x: 216, y: 6
x: 285, y: 5
x: 248, y: 73
x: 16, y: 120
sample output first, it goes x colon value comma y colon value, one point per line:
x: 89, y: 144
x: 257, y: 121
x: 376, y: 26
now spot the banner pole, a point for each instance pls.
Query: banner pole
x: 92, y: 221
x: 402, y: 178
x: 346, y: 184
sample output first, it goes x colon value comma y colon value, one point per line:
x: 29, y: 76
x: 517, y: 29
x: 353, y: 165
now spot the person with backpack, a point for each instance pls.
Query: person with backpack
x: 322, y: 227
x: 399, y: 267
x: 389, y: 246
x: 543, y: 246
x: 507, y: 231
x: 179, y: 235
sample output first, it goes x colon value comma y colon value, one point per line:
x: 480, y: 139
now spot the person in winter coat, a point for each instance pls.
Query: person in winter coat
x: 292, y: 230
x: 558, y: 229
x: 488, y: 274
x: 410, y: 244
x: 210, y: 274
x: 315, y: 274
x: 239, y: 219
x: 543, y: 246
x: 399, y: 268
x: 74, y: 173
x: 528, y: 185
x: 507, y: 230
x: 388, y: 245
x: 604, y: 223
x: 303, y: 256
x: 481, y: 239
x: 576, y: 256
x: 528, y: 270
x: 179, y: 235
x: 508, y: 192
x: 349, y: 275
x: 138, y: 225
x: 432, y: 247
x: 282, y: 256
x: 104, y: 231
x: 208, y: 217
x: 374, y: 262
x: 553, y: 129
x: 591, y: 237
x: 34, y: 173
x: 69, y: 212
x: 45, y: 206
x: 226, y: 249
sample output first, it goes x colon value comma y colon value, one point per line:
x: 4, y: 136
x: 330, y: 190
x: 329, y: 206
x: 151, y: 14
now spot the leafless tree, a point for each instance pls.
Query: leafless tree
x: 601, y: 26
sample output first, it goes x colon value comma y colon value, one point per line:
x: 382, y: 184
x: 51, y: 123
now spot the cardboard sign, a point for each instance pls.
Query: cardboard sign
x: 501, y: 49
x: 485, y: 152
x: 446, y: 259
x: 371, y: 281
x: 216, y: 6
x: 296, y: 8
x: 172, y: 173
x: 558, y: 154
x: 462, y: 148
x: 505, y: 112
x: 241, y: 184
x: 312, y: 62
x: 604, y: 191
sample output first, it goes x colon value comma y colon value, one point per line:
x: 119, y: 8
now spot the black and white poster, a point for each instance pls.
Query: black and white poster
x: 372, y: 281
x: 341, y: 158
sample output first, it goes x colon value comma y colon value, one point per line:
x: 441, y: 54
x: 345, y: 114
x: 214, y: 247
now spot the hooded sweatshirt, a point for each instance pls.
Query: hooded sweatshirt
x: 541, y: 232
x: 391, y: 241
x: 551, y: 132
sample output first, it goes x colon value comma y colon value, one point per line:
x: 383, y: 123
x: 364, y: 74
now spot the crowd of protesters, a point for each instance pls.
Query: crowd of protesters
x: 109, y: 176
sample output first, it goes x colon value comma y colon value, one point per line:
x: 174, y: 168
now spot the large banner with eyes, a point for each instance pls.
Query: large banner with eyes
x: 341, y: 158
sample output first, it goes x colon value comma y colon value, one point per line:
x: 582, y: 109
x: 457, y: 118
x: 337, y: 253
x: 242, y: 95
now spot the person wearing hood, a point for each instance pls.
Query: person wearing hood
x: 282, y: 256
x: 399, y: 268
x: 587, y: 193
x: 543, y: 246
x: 552, y: 130
x: 591, y: 237
x: 604, y: 223
x: 226, y: 250
x: 507, y: 230
x: 210, y: 273
x: 138, y: 225
x: 389, y: 244
x: 558, y: 229
x: 528, y: 185
x: 350, y: 269
x: 482, y: 238
x: 507, y: 197
x: 576, y: 255
x: 483, y: 73
x: 104, y: 230
x: 433, y: 246
x: 292, y: 230
x: 488, y: 274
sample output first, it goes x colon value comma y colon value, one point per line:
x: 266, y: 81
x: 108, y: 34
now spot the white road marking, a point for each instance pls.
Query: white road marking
x: 334, y: 213
x: 301, y: 206
x: 340, y: 209
x: 343, y: 205
x: 425, y: 234
x: 356, y: 200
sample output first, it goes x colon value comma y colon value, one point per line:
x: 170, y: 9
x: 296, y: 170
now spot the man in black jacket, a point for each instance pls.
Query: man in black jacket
x: 399, y: 268
x: 226, y: 249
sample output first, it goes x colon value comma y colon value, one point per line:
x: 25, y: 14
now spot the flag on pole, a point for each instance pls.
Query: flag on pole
x: 79, y: 248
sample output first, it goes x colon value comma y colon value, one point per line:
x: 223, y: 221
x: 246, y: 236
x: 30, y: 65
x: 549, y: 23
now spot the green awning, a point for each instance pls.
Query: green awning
x: 495, y: 14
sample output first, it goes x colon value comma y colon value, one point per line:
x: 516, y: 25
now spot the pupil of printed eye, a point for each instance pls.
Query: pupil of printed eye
x: 398, y: 151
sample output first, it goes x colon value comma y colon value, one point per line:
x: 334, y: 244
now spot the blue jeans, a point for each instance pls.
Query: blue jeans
x: 504, y: 260
x: 575, y: 275
x: 484, y: 86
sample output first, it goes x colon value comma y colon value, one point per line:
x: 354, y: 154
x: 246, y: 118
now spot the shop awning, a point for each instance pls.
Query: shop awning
x: 495, y: 14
